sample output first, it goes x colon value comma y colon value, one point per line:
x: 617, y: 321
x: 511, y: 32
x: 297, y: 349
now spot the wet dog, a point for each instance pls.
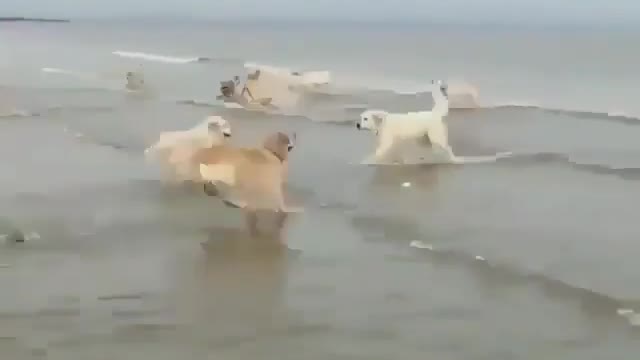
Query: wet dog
x: 249, y: 178
x: 174, y: 149
x: 425, y: 128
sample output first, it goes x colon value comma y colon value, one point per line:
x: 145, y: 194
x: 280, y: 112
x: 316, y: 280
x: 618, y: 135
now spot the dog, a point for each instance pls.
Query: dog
x: 425, y: 128
x: 174, y: 149
x: 135, y: 81
x: 252, y: 179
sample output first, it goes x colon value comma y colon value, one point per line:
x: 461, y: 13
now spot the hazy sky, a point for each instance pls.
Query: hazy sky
x: 588, y: 11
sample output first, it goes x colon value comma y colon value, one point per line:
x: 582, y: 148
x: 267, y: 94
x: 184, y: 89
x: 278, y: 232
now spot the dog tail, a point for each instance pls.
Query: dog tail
x: 222, y: 173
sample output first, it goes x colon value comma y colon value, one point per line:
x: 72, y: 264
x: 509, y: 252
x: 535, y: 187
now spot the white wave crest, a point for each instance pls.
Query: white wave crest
x: 447, y: 158
x: 56, y: 71
x: 76, y: 74
x: 306, y: 78
x: 10, y: 113
x: 619, y: 113
x: 157, y: 58
x: 418, y: 244
x: 462, y: 94
x: 481, y: 159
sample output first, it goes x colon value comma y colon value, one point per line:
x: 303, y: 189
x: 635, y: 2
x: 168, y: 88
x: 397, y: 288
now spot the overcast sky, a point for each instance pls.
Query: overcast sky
x: 583, y: 11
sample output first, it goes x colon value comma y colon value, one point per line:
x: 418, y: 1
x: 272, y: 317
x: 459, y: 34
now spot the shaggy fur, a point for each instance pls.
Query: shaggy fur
x: 249, y: 178
x: 174, y: 149
x: 426, y: 128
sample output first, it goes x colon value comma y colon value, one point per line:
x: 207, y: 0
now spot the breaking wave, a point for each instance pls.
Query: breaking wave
x: 495, y: 273
x: 626, y: 173
x: 322, y: 77
x: 595, y: 115
x: 170, y: 59
x: 591, y: 302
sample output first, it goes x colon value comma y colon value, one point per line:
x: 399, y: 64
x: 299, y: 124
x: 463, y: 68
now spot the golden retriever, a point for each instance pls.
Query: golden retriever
x: 249, y: 178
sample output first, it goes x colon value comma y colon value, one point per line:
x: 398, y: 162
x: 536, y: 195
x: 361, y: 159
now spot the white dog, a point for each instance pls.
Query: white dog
x: 174, y: 149
x: 426, y: 128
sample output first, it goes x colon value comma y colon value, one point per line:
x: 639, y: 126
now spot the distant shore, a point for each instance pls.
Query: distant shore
x: 14, y: 19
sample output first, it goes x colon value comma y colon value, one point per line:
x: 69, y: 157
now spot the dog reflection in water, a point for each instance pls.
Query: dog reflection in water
x: 239, y: 295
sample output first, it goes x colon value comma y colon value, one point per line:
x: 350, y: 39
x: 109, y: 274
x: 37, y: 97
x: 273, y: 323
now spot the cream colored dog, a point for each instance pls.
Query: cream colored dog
x: 426, y: 128
x: 249, y: 178
x: 174, y: 149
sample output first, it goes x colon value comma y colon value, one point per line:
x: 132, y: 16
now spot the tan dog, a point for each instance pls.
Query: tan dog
x: 249, y: 178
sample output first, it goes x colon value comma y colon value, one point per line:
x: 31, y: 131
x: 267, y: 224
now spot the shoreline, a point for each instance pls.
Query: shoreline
x: 25, y: 19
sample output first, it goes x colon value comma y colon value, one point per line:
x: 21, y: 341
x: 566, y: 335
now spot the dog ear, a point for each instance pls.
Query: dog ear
x: 284, y: 141
x: 278, y: 145
x: 377, y: 118
x: 214, y: 127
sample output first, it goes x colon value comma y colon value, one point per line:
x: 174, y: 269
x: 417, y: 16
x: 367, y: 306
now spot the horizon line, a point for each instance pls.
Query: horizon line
x: 310, y: 20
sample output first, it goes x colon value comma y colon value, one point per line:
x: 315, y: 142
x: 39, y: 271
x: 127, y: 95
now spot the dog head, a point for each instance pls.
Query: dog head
x: 218, y: 125
x: 280, y: 145
x: 441, y: 86
x: 135, y: 80
x: 228, y: 87
x: 254, y: 76
x: 371, y: 120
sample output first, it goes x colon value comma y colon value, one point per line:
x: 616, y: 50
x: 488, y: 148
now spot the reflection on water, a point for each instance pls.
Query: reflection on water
x: 239, y: 285
x: 226, y: 295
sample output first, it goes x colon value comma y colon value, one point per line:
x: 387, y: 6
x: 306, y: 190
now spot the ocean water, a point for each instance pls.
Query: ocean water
x: 526, y: 257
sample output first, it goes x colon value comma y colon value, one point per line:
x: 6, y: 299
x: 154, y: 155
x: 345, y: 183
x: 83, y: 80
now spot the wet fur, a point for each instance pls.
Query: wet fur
x: 258, y: 172
x: 392, y: 130
x: 174, y: 149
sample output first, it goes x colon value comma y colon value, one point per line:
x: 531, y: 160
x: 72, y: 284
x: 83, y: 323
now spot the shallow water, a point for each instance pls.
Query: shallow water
x: 527, y: 257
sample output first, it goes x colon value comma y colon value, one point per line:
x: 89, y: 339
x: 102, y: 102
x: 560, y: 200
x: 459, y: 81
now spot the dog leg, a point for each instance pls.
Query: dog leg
x: 210, y: 189
x: 396, y: 157
x: 281, y: 219
x: 383, y: 150
x: 383, y: 147
x: 394, y: 154
x: 282, y: 206
x: 424, y: 141
x: 282, y: 214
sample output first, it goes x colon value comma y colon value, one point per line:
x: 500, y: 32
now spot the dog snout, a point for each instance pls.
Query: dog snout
x: 226, y: 134
x: 289, y: 147
x: 358, y: 125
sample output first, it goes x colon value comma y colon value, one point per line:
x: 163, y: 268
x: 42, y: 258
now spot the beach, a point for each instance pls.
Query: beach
x: 531, y: 256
